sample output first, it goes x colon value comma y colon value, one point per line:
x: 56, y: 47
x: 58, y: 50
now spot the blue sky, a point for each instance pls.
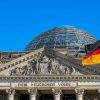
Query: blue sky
x: 22, y: 20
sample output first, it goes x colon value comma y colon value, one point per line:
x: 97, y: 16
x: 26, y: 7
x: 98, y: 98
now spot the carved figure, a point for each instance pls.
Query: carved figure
x: 41, y: 64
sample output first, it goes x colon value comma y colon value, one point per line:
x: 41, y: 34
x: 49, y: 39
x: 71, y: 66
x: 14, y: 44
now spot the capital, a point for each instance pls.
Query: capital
x: 57, y: 91
x: 32, y: 91
x: 79, y: 91
x: 10, y: 91
x: 98, y: 90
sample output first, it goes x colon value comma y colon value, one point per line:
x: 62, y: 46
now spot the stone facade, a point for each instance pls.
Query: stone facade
x: 48, y: 75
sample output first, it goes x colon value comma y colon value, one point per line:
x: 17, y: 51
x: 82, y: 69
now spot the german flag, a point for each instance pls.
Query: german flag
x: 92, y: 54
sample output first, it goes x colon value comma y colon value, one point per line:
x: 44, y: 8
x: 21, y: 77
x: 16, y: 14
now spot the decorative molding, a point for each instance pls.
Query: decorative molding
x: 81, y: 78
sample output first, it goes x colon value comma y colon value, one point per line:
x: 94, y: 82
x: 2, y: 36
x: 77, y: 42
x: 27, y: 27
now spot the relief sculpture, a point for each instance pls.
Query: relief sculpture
x: 43, y: 65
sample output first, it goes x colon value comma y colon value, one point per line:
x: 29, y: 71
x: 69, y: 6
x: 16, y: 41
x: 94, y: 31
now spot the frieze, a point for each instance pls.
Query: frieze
x: 24, y: 82
x: 89, y: 83
x: 44, y: 84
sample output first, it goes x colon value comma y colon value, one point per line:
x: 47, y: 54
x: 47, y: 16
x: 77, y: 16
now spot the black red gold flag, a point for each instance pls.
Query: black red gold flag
x: 92, y: 54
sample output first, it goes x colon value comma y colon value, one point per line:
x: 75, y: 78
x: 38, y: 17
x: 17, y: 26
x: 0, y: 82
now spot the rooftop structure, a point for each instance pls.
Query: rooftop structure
x: 68, y: 37
x: 65, y: 39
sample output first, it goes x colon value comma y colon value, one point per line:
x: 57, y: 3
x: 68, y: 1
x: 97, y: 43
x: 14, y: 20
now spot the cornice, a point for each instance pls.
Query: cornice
x: 53, y: 77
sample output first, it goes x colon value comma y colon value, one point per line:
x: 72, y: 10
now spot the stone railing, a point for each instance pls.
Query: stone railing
x: 21, y: 59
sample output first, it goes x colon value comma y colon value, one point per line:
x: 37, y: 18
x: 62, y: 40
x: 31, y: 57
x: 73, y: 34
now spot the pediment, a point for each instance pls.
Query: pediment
x: 43, y: 64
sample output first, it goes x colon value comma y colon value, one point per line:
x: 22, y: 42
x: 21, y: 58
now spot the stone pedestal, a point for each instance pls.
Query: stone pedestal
x: 33, y: 93
x: 57, y: 94
x: 11, y: 93
x: 79, y: 94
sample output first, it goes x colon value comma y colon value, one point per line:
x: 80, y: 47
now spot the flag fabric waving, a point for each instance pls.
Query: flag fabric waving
x: 92, y: 54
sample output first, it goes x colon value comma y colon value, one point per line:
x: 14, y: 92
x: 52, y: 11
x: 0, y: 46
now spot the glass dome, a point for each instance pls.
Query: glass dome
x: 68, y: 37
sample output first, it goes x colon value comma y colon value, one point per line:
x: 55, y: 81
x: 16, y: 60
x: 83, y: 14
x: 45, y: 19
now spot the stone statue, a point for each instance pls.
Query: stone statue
x: 33, y: 66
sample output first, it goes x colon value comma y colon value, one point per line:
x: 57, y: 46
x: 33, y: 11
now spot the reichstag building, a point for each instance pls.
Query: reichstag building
x: 50, y: 68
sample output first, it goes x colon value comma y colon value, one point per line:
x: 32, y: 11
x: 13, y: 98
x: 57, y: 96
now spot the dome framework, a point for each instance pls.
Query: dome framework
x: 68, y: 37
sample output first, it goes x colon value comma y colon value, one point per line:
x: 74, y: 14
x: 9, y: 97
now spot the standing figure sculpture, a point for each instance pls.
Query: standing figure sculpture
x: 33, y: 66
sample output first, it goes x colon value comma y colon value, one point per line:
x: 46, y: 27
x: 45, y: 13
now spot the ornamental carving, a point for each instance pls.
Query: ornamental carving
x: 43, y: 65
x: 32, y: 91
x: 79, y: 91
x: 10, y: 91
x: 57, y: 91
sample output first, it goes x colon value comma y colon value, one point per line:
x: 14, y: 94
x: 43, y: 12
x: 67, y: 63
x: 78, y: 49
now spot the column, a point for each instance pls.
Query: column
x: 98, y: 94
x: 57, y: 94
x: 11, y: 93
x: 79, y: 94
x: 17, y: 97
x: 33, y: 93
x: 38, y: 96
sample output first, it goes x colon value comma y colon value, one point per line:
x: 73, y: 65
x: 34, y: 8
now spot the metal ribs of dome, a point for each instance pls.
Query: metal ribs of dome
x: 62, y: 37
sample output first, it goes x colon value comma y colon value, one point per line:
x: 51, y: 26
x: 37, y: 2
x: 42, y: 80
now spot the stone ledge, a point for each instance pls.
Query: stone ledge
x: 54, y: 77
